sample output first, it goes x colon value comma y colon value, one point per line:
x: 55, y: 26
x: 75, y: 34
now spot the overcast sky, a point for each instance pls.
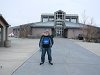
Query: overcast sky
x: 18, y: 12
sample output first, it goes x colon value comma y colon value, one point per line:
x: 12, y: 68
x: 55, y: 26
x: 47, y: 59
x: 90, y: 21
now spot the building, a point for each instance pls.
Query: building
x: 59, y: 24
x: 3, y: 31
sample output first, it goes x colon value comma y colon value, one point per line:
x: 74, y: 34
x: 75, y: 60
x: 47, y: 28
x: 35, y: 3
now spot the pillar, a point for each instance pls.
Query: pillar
x: 6, y: 33
x: 48, y: 18
x: 7, y: 43
x: 2, y: 36
x: 41, y: 18
x: 69, y: 19
x: 77, y: 20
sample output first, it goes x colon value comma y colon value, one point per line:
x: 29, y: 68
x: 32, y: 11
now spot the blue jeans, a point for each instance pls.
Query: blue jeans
x: 44, y: 50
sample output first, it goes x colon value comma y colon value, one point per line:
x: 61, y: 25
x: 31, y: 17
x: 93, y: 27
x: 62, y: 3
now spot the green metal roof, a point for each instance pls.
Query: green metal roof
x: 51, y: 24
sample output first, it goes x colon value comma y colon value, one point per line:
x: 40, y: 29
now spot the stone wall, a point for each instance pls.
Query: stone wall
x: 37, y: 32
x: 73, y: 33
x: 24, y: 30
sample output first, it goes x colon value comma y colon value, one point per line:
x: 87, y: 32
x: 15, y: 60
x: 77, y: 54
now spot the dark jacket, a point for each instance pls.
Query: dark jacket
x: 51, y: 39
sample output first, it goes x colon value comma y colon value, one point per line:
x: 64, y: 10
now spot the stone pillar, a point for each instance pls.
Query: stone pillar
x: 41, y: 18
x: 69, y: 19
x: 77, y: 20
x: 56, y: 31
x: 7, y: 43
x: 2, y: 36
x: 48, y: 18
x: 6, y: 33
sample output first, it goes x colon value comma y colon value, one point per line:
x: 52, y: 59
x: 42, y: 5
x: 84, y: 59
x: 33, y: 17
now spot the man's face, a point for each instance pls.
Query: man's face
x: 46, y: 33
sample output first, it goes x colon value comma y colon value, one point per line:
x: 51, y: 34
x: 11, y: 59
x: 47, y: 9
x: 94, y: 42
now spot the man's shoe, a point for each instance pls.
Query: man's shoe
x: 50, y: 63
x: 41, y: 63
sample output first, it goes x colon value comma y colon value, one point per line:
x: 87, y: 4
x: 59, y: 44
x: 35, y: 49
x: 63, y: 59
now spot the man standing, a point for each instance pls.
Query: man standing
x: 46, y: 42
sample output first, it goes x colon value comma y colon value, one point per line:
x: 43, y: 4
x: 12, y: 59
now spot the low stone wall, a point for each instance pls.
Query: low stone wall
x: 98, y: 41
x: 0, y: 43
x: 7, y: 43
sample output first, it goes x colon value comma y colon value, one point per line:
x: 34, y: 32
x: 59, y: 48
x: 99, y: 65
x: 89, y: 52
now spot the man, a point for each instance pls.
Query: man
x: 46, y: 42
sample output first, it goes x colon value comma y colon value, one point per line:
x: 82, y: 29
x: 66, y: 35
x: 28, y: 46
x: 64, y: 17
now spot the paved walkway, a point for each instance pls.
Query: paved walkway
x: 11, y: 58
x: 69, y: 58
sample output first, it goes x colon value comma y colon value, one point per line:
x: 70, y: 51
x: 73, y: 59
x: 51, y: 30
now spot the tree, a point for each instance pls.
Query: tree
x: 89, y: 30
x: 83, y: 26
x: 92, y: 31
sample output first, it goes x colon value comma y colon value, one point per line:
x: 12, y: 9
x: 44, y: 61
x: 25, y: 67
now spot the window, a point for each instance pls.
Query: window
x: 67, y: 19
x: 45, y: 19
x: 59, y: 15
x: 51, y: 19
x: 73, y: 20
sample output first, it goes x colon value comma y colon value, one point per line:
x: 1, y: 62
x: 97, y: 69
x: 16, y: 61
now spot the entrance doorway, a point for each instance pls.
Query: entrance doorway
x: 59, y: 32
x: 66, y: 33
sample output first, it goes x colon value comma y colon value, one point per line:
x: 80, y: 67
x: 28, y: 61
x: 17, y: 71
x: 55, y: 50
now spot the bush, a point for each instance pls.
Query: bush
x: 80, y: 37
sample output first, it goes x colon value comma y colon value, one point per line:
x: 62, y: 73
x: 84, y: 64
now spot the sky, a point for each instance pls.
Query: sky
x: 18, y: 12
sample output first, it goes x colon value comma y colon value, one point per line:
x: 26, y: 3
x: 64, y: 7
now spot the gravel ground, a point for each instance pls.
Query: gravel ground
x: 93, y: 47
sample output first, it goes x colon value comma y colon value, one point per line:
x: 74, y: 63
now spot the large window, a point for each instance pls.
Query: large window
x: 73, y: 20
x: 45, y: 19
x: 51, y: 19
x: 59, y: 32
x: 59, y: 15
x: 67, y: 19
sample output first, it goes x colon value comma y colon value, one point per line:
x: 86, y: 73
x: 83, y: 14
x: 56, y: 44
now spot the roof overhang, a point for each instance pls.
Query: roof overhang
x: 42, y: 26
x: 4, y: 21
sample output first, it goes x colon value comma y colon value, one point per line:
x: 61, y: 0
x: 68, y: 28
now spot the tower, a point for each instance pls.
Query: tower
x: 59, y: 22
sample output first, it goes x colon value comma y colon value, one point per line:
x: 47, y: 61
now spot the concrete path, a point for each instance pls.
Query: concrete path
x: 69, y: 58
x: 11, y: 58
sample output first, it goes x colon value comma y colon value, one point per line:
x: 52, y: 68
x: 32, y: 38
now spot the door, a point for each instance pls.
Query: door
x: 59, y: 32
x: 65, y: 33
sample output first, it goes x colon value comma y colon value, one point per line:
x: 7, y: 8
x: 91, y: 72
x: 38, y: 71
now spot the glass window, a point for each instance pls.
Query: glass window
x: 45, y: 19
x: 60, y: 15
x: 67, y: 19
x: 51, y: 19
x: 73, y: 20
